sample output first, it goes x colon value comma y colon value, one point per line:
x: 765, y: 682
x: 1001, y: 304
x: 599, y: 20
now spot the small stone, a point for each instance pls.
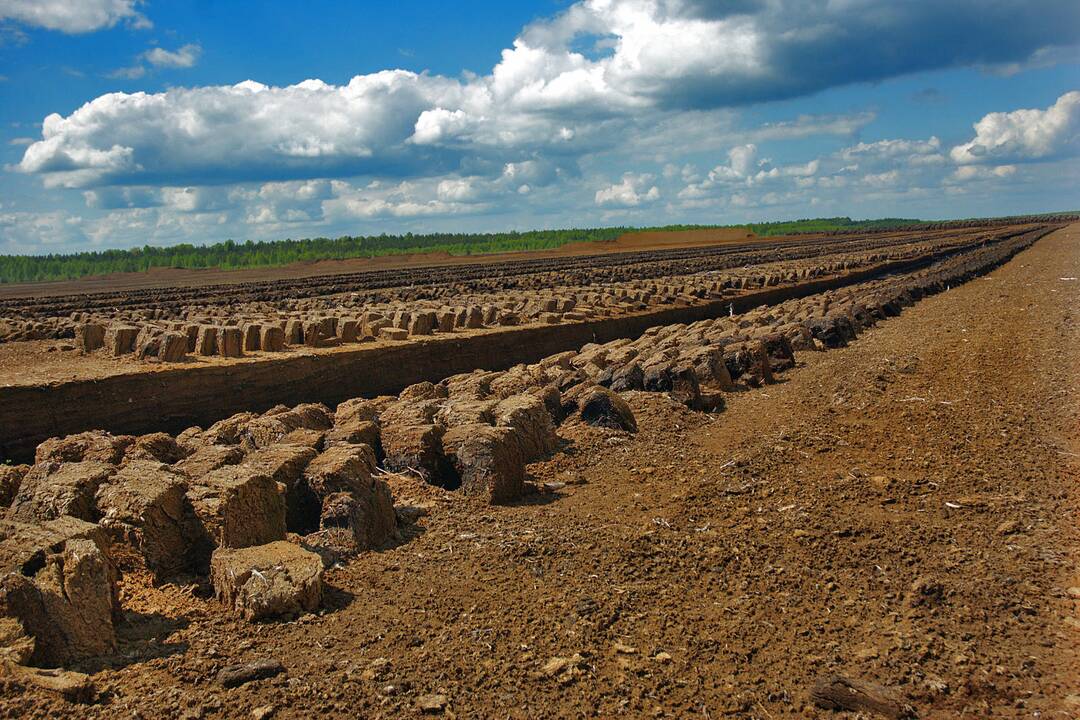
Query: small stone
x: 376, y: 669
x: 409, y: 514
x: 263, y: 713
x: 622, y: 649
x: 1008, y: 527
x: 564, y: 669
x: 662, y: 657
x: 73, y: 686
x: 554, y: 666
x: 431, y: 703
x: 880, y: 483
x: 864, y: 654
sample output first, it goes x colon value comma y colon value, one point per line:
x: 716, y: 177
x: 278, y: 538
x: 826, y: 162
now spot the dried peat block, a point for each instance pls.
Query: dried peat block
x: 530, y: 421
x: 272, y: 339
x: 286, y: 464
x: 487, y: 461
x: 206, y: 341
x: 271, y: 428
x: 267, y: 581
x: 414, y: 449
x: 350, y: 497
x: 50, y: 490
x: 601, y: 407
x: 230, y: 341
x: 89, y: 337
x: 208, y: 458
x: 173, y: 347
x: 11, y: 477
x: 90, y: 445
x: 238, y: 506
x: 355, y: 432
x: 362, y: 409
x: 120, y: 339
x: 58, y: 582
x: 160, y: 447
x: 151, y: 523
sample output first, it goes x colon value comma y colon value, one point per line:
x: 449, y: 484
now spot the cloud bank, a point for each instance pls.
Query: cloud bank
x: 563, y: 88
x: 80, y: 16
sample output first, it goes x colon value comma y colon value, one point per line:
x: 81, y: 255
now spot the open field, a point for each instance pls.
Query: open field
x: 689, y: 477
x: 169, y: 277
x: 480, y: 250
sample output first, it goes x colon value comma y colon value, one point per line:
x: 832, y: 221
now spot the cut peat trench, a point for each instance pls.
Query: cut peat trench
x: 174, y: 399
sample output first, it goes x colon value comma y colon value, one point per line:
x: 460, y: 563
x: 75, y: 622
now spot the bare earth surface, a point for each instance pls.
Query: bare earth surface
x: 175, y: 277
x: 902, y: 511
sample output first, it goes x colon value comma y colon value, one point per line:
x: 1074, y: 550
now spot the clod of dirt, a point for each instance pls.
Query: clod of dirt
x: 72, y: 686
x: 564, y: 669
x: 432, y: 704
x: 263, y: 713
x: 236, y: 675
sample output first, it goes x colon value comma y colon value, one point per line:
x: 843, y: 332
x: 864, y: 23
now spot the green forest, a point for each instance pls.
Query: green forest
x: 813, y: 225
x: 230, y: 255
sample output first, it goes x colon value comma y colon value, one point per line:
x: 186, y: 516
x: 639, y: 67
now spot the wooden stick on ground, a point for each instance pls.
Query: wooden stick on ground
x: 839, y: 693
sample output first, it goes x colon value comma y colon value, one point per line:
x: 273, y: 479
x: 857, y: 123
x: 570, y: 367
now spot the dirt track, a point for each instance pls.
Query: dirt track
x: 716, y: 565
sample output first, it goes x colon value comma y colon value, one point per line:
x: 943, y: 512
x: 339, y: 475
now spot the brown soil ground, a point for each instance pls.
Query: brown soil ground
x: 41, y: 362
x: 172, y: 277
x: 902, y: 511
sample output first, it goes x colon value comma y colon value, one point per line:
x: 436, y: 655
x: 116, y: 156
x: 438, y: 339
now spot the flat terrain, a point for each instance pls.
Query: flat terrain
x: 901, y: 511
x: 175, y: 277
x: 638, y: 255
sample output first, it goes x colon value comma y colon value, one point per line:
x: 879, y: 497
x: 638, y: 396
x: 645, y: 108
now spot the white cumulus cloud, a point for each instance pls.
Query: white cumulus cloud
x: 183, y: 57
x: 1030, y: 134
x: 244, y: 131
x: 73, y: 16
x: 634, y: 190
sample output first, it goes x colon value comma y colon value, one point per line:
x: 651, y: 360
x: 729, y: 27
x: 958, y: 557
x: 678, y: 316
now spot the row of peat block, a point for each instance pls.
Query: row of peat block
x: 45, y: 318
x: 327, y: 322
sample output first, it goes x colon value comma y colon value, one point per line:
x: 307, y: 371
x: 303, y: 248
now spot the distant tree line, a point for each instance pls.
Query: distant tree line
x: 816, y: 225
x: 230, y: 255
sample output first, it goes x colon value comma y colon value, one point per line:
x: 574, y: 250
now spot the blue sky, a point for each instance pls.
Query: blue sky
x: 126, y: 123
